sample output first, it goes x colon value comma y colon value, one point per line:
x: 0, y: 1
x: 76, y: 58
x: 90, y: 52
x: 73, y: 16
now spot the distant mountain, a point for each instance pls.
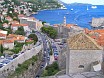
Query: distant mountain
x: 79, y: 3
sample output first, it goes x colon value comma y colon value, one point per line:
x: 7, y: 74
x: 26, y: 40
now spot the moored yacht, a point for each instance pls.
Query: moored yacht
x: 94, y: 7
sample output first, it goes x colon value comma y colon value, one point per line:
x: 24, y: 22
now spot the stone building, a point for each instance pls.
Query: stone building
x: 82, y: 52
x: 32, y: 22
x: 97, y: 22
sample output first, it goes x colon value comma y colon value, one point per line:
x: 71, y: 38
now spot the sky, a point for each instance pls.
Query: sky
x: 95, y: 2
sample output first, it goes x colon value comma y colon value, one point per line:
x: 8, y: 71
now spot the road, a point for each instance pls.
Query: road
x: 46, y: 57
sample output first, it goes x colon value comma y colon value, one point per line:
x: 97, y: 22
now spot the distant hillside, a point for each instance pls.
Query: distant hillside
x: 79, y: 3
x: 36, y: 5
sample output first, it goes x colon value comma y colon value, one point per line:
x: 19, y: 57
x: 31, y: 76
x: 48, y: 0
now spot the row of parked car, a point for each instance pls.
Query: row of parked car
x: 6, y: 59
x: 55, y: 51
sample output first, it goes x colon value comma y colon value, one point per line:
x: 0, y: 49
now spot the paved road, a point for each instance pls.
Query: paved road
x: 45, y: 39
x: 46, y: 54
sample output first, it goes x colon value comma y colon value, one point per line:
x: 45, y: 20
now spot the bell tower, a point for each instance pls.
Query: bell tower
x: 64, y: 22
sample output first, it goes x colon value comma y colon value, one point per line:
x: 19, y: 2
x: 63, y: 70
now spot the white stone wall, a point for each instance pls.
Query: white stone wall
x: 26, y: 28
x: 8, y: 45
x: 75, y: 58
x: 3, y: 37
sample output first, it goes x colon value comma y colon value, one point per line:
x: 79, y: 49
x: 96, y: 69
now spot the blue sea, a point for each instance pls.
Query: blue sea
x: 80, y: 15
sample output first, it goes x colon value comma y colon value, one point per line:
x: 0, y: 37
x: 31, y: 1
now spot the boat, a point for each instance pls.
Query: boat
x: 71, y: 9
x: 87, y: 8
x: 94, y: 7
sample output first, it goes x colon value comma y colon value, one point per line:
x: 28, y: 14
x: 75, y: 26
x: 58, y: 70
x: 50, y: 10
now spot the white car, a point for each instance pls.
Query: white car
x: 2, y: 57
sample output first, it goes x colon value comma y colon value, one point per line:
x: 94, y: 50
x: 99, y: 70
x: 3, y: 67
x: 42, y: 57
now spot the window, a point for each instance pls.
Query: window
x: 80, y: 66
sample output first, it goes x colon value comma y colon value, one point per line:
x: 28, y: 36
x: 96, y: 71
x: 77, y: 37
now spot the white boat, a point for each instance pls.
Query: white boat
x: 72, y: 9
x: 94, y: 7
x: 87, y: 8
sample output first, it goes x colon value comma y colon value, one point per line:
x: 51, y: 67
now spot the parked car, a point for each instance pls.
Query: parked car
x: 41, y: 66
x: 14, y: 56
x: 22, y: 52
x: 9, y: 58
x: 37, y: 76
x: 1, y: 65
x: 48, y: 58
x: 2, y: 57
x: 55, y: 57
x: 5, y: 61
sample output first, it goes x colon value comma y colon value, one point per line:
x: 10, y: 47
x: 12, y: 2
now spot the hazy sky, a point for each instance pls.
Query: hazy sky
x: 96, y: 2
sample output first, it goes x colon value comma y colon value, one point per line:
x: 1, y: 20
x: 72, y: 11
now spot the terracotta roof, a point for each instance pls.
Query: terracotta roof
x: 20, y: 38
x: 23, y: 24
x: 2, y: 35
x: 14, y: 22
x: 11, y: 35
x: 16, y: 25
x: 99, y: 37
x: 69, y: 25
x: 8, y: 41
x: 100, y: 31
x: 21, y: 15
x: 82, y: 42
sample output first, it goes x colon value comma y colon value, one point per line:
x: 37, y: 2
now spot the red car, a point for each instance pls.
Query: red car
x: 55, y: 57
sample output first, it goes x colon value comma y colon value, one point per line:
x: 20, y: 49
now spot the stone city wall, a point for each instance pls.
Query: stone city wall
x: 20, y: 59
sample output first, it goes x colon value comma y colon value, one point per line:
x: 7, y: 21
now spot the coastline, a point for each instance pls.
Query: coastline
x: 61, y: 8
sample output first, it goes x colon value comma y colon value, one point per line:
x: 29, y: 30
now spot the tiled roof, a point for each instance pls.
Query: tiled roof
x: 82, y: 41
x: 16, y: 37
x: 8, y: 41
x: 16, y: 25
x: 11, y: 35
x: 69, y: 25
x: 14, y: 22
x: 98, y: 35
x: 20, y: 38
x: 21, y: 15
x: 2, y: 35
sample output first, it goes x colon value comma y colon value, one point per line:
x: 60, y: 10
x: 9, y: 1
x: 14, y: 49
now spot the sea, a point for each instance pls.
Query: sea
x: 75, y: 14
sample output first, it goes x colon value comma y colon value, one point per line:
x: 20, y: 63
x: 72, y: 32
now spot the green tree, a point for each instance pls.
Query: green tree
x: 51, y: 69
x: 33, y: 37
x: 20, y: 31
x: 50, y: 31
x: 1, y: 48
x: 6, y: 21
